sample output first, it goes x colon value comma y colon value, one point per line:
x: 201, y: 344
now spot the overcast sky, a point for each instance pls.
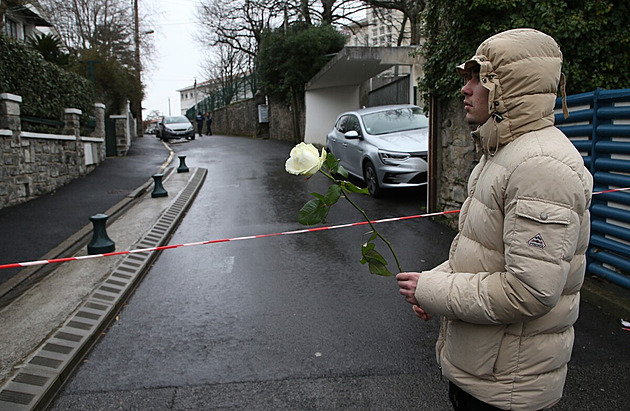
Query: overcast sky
x: 177, y: 60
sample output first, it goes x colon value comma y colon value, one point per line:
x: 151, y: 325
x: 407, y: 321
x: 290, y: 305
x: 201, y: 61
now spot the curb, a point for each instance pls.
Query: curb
x: 28, y: 277
x: 46, y: 370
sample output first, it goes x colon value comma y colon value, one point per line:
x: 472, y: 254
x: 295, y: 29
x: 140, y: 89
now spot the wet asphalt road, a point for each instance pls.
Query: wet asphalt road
x: 293, y: 322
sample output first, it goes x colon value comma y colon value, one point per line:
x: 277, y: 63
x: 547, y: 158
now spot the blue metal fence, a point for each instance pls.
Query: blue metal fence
x: 599, y: 127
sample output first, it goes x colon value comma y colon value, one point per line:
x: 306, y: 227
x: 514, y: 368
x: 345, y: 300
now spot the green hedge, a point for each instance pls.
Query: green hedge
x: 46, y: 89
x: 593, y: 36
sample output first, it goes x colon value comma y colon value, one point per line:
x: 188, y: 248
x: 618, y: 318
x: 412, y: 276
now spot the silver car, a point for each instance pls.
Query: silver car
x: 385, y: 146
x: 175, y: 127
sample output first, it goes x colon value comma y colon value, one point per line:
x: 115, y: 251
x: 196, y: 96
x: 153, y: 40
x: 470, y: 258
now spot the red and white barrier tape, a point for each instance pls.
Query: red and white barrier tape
x: 167, y: 247
x: 611, y: 190
x: 306, y: 230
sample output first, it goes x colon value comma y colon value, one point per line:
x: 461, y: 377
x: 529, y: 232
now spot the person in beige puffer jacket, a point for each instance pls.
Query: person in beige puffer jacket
x: 508, y: 295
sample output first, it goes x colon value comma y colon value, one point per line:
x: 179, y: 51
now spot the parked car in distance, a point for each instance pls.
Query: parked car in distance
x: 174, y: 127
x: 385, y: 146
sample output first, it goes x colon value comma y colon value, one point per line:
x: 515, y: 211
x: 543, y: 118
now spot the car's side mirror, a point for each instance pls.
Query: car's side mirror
x: 352, y: 134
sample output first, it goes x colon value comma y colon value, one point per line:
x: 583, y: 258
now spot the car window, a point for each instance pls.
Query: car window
x: 353, y: 124
x: 395, y: 120
x: 341, y: 124
x: 175, y: 119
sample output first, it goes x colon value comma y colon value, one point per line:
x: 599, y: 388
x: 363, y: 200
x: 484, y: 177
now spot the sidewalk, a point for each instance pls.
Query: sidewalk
x: 48, y: 328
x: 31, y: 230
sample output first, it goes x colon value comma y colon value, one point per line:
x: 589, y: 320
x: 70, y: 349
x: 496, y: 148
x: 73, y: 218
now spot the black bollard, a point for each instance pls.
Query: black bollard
x: 182, y: 165
x: 158, y: 189
x: 100, y: 243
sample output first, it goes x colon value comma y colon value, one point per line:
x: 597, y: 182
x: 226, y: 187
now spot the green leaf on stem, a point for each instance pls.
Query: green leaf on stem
x: 319, y: 196
x: 341, y: 171
x: 375, y: 261
x: 332, y: 164
x: 313, y: 212
x: 354, y: 189
x: 333, y: 194
x: 373, y: 235
x: 331, y: 161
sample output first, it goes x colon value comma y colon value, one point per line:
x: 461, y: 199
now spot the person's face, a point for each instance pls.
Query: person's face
x: 475, y: 99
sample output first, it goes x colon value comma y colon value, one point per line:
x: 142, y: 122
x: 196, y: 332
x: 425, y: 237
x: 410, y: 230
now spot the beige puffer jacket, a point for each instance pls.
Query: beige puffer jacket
x: 509, y: 294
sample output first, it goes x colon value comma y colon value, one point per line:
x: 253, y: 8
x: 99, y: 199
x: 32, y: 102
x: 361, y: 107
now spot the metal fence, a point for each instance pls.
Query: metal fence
x: 240, y: 88
x: 599, y: 127
x: 395, y: 92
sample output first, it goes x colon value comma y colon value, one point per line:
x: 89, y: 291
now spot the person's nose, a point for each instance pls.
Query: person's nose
x: 466, y: 89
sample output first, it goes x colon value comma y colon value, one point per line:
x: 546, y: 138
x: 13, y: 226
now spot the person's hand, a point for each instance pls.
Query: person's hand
x: 420, y: 313
x: 408, y: 283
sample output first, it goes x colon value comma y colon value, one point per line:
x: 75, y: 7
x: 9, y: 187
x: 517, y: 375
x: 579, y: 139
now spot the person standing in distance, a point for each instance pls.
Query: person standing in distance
x: 508, y: 295
x: 199, y: 120
x: 209, y: 123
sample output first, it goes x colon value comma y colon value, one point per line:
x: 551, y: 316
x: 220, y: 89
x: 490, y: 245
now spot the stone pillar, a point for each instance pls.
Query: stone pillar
x: 72, y: 127
x: 122, y: 130
x: 10, y: 112
x: 99, y: 130
x: 72, y: 120
x: 99, y: 114
x: 12, y: 190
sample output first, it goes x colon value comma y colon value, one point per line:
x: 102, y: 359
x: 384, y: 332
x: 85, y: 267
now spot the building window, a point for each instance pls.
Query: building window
x: 11, y: 28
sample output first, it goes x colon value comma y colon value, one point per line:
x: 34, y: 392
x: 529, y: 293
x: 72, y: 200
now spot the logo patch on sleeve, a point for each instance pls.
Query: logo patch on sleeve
x: 537, y: 241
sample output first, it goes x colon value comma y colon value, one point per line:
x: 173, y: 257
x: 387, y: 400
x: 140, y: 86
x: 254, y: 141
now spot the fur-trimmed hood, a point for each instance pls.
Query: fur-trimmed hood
x: 522, y: 83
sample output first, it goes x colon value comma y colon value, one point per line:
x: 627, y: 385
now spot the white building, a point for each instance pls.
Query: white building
x: 216, y: 90
x: 22, y: 22
x: 380, y: 28
x: 191, y: 95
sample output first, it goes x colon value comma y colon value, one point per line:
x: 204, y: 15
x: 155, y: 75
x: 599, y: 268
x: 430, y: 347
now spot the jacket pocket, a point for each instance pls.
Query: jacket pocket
x: 473, y: 348
x: 543, y: 230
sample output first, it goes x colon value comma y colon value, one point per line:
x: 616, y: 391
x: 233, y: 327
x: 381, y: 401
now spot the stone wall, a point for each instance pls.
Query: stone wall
x: 456, y: 157
x: 34, y: 164
x: 281, y: 121
x: 238, y: 119
x: 241, y: 119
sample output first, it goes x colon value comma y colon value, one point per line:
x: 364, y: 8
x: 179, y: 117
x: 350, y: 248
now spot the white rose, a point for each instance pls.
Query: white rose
x: 304, y: 160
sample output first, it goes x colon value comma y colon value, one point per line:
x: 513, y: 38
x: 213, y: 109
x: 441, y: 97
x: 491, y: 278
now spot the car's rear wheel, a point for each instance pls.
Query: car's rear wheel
x: 371, y: 179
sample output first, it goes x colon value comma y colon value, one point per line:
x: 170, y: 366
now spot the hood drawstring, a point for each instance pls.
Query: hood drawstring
x: 563, y: 91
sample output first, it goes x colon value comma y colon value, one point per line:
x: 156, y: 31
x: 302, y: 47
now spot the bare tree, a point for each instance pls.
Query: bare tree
x: 412, y: 10
x: 238, y: 24
x: 227, y: 68
x: 341, y: 13
x: 104, y: 26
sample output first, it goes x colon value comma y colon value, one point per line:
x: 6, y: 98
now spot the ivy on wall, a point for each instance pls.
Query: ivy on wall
x: 592, y: 35
x: 45, y: 88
